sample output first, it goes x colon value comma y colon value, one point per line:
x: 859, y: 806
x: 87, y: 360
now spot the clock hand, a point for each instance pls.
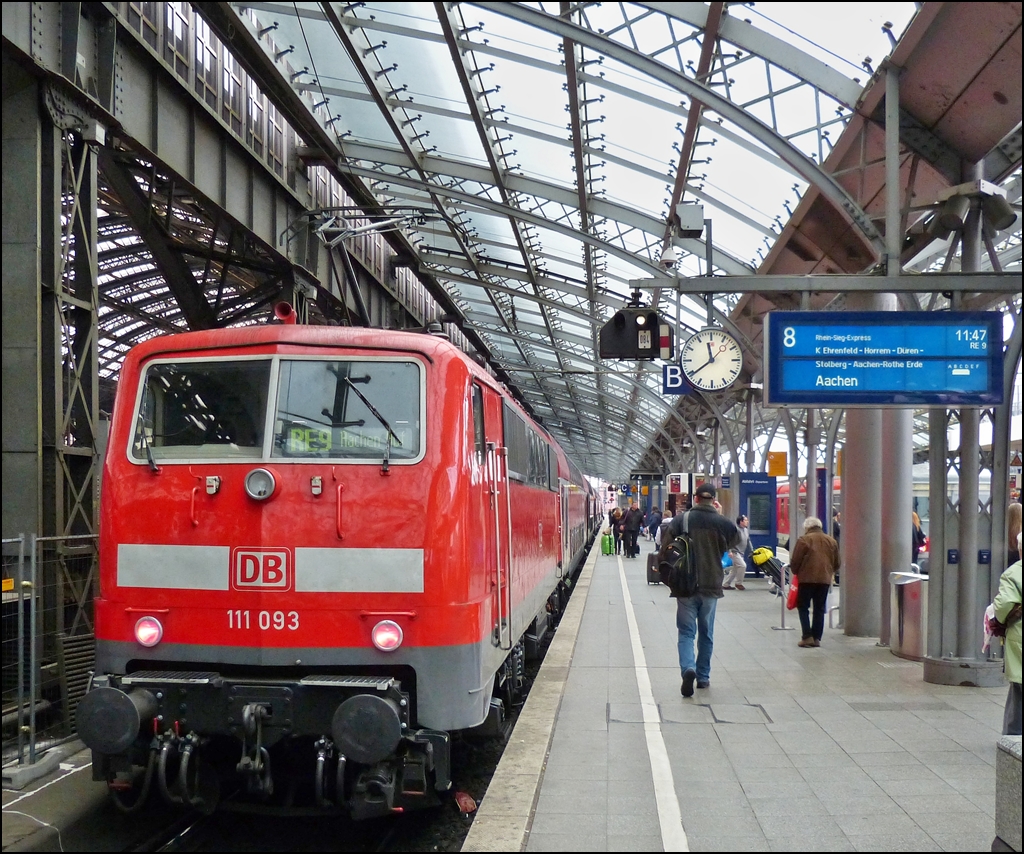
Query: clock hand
x: 711, y: 356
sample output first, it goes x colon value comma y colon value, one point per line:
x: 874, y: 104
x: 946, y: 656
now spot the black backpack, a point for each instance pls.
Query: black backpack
x: 678, y: 566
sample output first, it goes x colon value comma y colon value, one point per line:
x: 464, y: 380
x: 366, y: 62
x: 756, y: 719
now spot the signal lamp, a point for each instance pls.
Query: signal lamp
x: 387, y: 635
x: 998, y: 212
x: 954, y: 212
x: 260, y: 484
x: 148, y: 631
x: 635, y: 332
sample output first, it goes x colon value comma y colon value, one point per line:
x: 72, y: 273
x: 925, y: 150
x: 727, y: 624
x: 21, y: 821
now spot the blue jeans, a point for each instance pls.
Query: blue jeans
x: 695, y: 620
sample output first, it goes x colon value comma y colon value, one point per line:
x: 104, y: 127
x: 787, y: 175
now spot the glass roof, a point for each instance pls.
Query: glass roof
x: 549, y: 139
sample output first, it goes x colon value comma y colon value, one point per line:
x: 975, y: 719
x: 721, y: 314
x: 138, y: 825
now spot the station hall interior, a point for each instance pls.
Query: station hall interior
x: 515, y: 176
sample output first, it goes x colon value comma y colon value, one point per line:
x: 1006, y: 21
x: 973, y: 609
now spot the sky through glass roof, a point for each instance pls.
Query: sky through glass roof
x: 548, y: 138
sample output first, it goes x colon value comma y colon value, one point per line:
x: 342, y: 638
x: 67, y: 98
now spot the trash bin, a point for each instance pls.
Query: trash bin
x: 908, y: 615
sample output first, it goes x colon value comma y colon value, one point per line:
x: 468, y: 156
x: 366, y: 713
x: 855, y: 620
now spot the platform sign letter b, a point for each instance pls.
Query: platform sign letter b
x: 673, y: 381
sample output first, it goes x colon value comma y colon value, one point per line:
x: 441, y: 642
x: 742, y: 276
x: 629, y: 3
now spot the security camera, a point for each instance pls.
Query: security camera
x: 668, y: 258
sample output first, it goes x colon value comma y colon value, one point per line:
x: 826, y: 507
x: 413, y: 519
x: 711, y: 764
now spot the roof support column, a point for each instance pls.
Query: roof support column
x: 811, y: 442
x: 964, y: 581
x: 748, y: 457
x: 862, y: 509
x: 29, y: 225
x: 897, y: 451
x: 897, y: 501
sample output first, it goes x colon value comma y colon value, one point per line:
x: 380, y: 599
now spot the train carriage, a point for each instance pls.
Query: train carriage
x: 322, y: 551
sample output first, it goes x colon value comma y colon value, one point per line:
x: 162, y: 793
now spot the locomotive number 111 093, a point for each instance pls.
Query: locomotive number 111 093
x: 264, y: 620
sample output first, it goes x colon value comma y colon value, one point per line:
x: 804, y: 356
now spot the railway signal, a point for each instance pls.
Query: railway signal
x: 636, y: 332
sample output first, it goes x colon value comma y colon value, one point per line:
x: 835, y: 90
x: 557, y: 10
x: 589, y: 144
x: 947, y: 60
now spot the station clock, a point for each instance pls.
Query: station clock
x: 711, y: 359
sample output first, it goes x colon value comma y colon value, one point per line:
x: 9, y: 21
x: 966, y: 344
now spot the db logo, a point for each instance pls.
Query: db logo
x: 259, y: 568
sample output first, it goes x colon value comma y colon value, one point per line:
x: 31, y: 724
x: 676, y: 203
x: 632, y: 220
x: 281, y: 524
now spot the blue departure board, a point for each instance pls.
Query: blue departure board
x: 881, y: 358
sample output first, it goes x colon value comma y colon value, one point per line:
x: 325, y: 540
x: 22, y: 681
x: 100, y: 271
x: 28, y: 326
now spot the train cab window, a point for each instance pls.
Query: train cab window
x: 479, y: 437
x: 201, y: 409
x: 354, y: 409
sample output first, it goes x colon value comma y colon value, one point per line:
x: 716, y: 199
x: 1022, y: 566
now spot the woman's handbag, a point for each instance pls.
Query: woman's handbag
x: 997, y: 629
x: 791, y: 598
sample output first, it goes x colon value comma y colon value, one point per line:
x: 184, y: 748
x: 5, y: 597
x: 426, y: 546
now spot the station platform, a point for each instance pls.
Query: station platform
x: 839, y: 748
x: 843, y: 747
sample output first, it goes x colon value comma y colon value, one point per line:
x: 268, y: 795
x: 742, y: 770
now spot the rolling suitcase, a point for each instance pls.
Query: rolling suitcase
x: 607, y: 546
x: 653, y: 577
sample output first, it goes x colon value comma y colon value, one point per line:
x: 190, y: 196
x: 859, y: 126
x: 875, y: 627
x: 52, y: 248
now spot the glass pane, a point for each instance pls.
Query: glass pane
x: 208, y: 409
x: 345, y: 409
x: 759, y: 514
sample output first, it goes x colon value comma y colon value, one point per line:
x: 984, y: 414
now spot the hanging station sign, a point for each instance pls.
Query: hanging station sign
x: 912, y: 359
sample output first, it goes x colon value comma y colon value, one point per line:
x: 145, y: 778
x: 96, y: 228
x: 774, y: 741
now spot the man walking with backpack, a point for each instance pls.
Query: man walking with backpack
x: 711, y: 534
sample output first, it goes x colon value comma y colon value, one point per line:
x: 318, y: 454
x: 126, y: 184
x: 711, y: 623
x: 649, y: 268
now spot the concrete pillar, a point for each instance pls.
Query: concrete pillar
x: 748, y: 458
x: 897, y: 486
x: 862, y: 523
x: 942, y: 592
x: 862, y: 508
x: 25, y: 223
x: 811, y: 443
x: 897, y: 502
x: 969, y: 612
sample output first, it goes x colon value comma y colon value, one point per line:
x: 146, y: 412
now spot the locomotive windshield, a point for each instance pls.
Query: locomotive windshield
x: 348, y: 409
x: 341, y: 409
x: 202, y: 409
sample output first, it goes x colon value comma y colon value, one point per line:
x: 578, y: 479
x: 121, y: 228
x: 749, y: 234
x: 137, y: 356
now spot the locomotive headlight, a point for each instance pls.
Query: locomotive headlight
x: 148, y: 631
x: 260, y: 484
x: 387, y: 635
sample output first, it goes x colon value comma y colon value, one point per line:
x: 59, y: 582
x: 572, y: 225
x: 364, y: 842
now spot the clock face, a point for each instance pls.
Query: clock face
x: 711, y: 359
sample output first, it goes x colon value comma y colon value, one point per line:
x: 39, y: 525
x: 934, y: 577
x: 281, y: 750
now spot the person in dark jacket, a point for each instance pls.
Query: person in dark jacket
x: 712, y: 535
x: 615, y: 523
x: 653, y: 521
x: 633, y: 519
x: 814, y: 561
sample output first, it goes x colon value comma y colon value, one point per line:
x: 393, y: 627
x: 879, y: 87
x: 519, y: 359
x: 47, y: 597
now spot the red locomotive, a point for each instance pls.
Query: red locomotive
x: 322, y: 551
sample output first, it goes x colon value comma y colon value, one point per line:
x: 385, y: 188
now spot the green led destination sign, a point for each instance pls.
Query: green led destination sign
x: 918, y: 359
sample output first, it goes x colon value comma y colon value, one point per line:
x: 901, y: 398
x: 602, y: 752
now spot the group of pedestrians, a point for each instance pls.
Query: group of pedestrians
x: 625, y: 526
x: 814, y: 562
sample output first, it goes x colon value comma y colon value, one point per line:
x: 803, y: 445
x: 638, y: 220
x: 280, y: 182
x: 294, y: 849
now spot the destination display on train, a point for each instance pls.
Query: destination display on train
x: 883, y: 358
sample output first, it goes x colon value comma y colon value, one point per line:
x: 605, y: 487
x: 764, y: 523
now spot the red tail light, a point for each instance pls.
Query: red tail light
x: 387, y: 635
x: 148, y: 631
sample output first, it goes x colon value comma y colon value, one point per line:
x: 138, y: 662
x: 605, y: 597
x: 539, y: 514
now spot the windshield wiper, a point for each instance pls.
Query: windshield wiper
x: 142, y: 432
x: 373, y: 411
